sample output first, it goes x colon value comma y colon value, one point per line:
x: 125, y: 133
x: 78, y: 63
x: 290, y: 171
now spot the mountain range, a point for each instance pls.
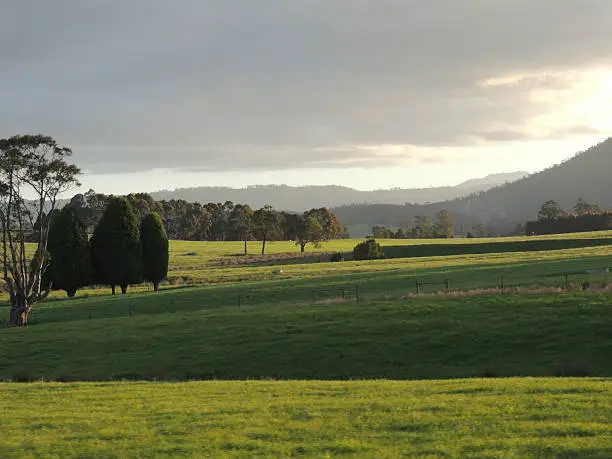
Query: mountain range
x: 587, y: 175
x: 301, y: 198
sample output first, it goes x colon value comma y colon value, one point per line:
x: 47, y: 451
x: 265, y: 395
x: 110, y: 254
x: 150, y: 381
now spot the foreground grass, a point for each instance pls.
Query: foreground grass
x: 177, y: 336
x: 519, y: 418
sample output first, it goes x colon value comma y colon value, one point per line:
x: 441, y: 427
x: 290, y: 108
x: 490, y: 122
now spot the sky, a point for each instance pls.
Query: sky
x: 153, y: 94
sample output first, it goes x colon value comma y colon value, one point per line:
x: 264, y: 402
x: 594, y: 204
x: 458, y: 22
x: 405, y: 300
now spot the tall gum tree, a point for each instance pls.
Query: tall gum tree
x: 267, y: 225
x: 34, y: 171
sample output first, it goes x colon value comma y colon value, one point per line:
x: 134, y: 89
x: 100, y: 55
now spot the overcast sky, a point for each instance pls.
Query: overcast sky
x: 158, y: 94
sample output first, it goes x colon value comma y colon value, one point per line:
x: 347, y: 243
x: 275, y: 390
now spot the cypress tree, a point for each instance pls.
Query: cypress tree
x: 155, y: 245
x: 68, y: 248
x: 115, y: 246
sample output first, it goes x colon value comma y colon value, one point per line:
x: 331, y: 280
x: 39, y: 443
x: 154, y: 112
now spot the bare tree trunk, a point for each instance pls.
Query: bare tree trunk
x: 302, y: 246
x: 20, y: 310
x: 113, y: 289
x: 124, y: 289
x: 245, y: 248
x: 155, y: 286
x: 263, y: 246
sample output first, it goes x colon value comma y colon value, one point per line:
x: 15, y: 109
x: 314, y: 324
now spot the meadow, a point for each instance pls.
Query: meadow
x: 361, y: 365
x: 284, y: 274
x: 176, y: 335
x: 517, y: 418
x: 221, y: 262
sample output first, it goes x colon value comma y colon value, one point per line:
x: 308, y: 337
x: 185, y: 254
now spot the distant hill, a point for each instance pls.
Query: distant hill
x: 587, y: 175
x: 290, y: 198
x: 490, y: 181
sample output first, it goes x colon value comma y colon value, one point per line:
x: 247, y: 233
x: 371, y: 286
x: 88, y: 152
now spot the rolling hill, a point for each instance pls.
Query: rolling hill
x: 302, y: 198
x: 586, y: 175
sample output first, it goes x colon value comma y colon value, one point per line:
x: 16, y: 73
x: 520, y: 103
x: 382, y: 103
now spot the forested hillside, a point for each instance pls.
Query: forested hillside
x: 301, y: 198
x: 501, y: 209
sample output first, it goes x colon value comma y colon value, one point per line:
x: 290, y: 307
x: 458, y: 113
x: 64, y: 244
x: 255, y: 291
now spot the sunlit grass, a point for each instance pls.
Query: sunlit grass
x: 518, y: 418
x: 202, y: 262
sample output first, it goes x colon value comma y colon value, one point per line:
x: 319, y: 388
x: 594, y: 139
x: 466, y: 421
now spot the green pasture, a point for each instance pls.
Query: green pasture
x: 216, y: 265
x: 222, y: 262
x: 467, y: 271
x: 179, y: 335
x: 344, y: 344
x: 516, y: 418
x: 201, y: 265
x: 205, y: 253
x: 470, y: 263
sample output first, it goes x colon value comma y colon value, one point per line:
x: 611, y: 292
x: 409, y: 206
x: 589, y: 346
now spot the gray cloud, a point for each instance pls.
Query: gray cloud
x: 227, y: 84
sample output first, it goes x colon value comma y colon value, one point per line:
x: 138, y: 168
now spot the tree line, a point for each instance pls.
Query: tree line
x: 422, y: 227
x: 584, y: 217
x: 193, y: 221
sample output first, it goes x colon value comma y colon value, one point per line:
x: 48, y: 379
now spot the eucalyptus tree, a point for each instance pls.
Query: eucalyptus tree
x: 34, y: 171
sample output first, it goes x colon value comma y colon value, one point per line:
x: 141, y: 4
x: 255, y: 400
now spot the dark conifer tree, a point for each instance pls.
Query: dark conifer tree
x: 68, y: 248
x: 154, y: 241
x: 115, y: 246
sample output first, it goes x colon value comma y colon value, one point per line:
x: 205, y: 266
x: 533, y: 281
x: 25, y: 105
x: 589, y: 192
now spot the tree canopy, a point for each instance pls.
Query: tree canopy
x: 550, y: 210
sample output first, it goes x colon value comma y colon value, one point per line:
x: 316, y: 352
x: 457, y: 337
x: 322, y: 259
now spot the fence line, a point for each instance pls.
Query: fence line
x: 304, y: 295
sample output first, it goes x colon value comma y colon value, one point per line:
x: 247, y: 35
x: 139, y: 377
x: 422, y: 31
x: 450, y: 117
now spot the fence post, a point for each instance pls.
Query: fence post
x: 418, y: 287
x: 501, y: 284
x: 447, y: 285
x: 356, y: 292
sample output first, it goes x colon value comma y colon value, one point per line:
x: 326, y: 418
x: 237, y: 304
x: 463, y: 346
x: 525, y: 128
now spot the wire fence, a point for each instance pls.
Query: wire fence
x: 184, y: 301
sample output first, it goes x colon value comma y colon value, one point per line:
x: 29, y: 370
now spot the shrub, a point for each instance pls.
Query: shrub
x: 336, y: 257
x: 368, y: 250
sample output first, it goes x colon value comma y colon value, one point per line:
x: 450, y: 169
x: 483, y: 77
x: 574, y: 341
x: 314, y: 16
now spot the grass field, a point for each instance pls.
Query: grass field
x: 176, y: 335
x: 518, y: 418
x: 220, y: 262
x: 229, y: 320
x: 256, y: 284
x: 473, y: 263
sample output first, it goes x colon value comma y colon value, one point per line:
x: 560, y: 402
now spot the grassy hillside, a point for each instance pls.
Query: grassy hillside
x: 517, y: 418
x: 228, y: 277
x: 178, y: 335
x: 213, y: 262
x: 254, y: 322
